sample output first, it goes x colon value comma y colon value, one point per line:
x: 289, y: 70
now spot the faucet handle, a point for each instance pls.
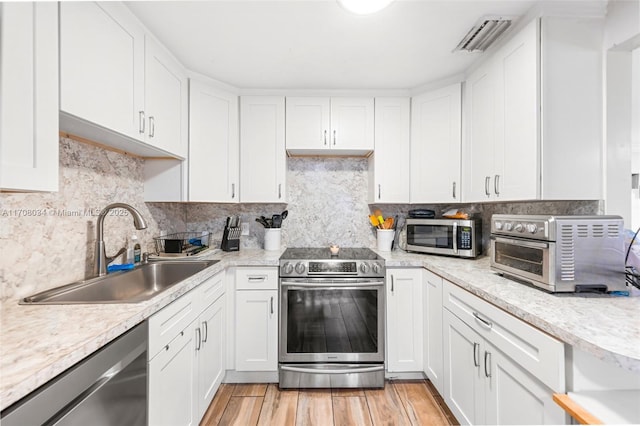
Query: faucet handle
x: 145, y: 257
x: 112, y: 258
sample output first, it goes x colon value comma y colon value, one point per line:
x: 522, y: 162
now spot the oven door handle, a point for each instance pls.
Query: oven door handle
x: 332, y: 371
x: 524, y: 243
x: 329, y: 284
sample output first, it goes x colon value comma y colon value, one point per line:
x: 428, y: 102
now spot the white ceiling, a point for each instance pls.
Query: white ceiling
x: 316, y: 44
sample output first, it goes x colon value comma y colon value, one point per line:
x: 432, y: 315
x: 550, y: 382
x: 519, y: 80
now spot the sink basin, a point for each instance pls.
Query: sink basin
x: 137, y: 285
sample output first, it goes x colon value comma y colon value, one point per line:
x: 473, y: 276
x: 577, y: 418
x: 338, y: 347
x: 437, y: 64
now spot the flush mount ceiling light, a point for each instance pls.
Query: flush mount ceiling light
x: 487, y: 30
x: 364, y: 7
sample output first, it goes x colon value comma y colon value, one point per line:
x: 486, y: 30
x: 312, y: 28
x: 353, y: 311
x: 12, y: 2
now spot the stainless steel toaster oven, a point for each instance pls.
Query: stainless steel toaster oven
x: 560, y: 253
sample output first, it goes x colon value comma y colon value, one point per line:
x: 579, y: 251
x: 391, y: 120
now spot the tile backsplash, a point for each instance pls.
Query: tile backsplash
x: 48, y: 238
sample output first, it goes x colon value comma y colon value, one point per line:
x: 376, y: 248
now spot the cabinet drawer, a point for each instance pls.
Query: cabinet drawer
x: 537, y: 352
x: 167, y: 323
x: 209, y: 291
x: 257, y: 279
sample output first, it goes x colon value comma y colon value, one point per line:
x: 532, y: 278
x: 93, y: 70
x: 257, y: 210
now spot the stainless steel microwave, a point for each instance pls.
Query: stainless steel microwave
x: 451, y: 237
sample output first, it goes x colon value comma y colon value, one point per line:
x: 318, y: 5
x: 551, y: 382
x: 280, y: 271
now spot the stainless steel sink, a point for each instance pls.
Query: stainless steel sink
x: 137, y: 285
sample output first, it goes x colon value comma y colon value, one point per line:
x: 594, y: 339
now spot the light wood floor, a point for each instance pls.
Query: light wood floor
x: 399, y: 403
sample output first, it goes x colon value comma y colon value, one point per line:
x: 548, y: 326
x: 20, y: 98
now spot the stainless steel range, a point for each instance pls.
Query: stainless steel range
x: 331, y: 318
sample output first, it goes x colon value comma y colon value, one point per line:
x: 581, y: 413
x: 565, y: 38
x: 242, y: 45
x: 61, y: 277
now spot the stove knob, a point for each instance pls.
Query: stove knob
x: 498, y: 225
x: 519, y: 227
x: 300, y: 267
x: 532, y: 228
x: 287, y: 268
x: 508, y: 226
x: 364, y: 267
x: 376, y: 268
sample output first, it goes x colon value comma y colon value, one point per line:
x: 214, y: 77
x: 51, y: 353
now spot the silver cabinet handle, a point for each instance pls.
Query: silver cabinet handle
x: 152, y: 126
x: 233, y: 190
x: 476, y: 346
x: 199, y: 340
x: 487, y: 357
x: 205, y: 326
x: 391, y: 283
x: 257, y: 278
x: 496, y: 184
x: 486, y: 185
x: 271, y: 305
x: 483, y: 321
x: 325, y: 138
x: 141, y: 122
x: 379, y: 191
x: 279, y: 191
x: 334, y: 138
x: 454, y: 190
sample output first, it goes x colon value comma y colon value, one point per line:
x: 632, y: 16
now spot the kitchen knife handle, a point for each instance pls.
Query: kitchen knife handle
x: 141, y: 125
x: 486, y: 185
x: 496, y: 184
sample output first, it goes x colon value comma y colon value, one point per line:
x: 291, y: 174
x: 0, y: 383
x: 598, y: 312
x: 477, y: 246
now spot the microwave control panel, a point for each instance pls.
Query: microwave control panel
x: 465, y: 238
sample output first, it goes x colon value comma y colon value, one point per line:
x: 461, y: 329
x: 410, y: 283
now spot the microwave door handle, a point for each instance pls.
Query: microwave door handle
x: 455, y: 237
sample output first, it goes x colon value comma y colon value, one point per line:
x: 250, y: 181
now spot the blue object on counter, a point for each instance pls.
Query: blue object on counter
x: 195, y: 242
x: 123, y: 267
x: 619, y: 293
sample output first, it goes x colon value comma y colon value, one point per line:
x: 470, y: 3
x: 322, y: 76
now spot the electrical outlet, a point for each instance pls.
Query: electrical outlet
x: 244, y: 228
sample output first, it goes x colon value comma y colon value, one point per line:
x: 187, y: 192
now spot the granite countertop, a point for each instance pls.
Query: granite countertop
x: 39, y: 342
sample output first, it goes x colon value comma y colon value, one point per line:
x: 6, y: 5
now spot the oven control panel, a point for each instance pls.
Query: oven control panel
x: 351, y: 268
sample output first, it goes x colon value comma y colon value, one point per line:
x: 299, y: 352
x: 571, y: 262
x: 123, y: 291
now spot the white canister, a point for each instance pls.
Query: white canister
x: 272, y: 239
x: 385, y: 239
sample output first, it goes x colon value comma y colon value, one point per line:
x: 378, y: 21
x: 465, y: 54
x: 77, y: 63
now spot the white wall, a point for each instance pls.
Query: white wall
x: 635, y: 136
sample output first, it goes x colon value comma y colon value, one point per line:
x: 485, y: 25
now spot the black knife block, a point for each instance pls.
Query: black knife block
x: 231, y: 239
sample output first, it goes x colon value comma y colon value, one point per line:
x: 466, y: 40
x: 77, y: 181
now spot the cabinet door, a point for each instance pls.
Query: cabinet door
x: 516, y: 173
x: 210, y: 356
x: 463, y: 387
x: 435, y: 146
x: 102, y: 66
x: 307, y: 124
x: 352, y: 124
x: 256, y: 330
x: 388, y: 164
x: 262, y: 151
x: 514, y: 396
x: 171, y: 382
x: 213, y: 144
x: 478, y: 160
x: 29, y: 96
x: 433, y: 353
x: 404, y: 320
x: 166, y: 95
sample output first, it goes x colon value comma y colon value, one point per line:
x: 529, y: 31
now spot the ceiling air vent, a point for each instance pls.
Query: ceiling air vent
x: 484, y: 33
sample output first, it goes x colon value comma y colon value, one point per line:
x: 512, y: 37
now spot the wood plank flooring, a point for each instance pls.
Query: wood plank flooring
x: 401, y: 402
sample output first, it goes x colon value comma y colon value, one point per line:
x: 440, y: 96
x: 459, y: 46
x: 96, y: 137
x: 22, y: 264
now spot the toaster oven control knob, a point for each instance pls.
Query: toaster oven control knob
x: 508, y: 226
x: 498, y: 225
x: 300, y: 267
x: 532, y: 228
x: 287, y: 268
x: 364, y: 267
x: 519, y: 227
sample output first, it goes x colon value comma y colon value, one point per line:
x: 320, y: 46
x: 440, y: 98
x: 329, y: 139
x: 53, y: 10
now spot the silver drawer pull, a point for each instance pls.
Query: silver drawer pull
x: 483, y: 321
x: 257, y: 278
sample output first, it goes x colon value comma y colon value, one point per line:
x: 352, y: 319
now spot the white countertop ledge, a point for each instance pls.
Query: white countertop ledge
x: 39, y: 342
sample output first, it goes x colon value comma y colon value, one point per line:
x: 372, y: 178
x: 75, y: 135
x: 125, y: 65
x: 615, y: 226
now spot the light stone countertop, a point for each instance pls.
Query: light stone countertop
x: 39, y: 342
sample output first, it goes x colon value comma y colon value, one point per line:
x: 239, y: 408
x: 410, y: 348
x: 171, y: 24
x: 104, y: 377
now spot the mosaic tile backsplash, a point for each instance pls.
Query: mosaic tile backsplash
x: 327, y: 204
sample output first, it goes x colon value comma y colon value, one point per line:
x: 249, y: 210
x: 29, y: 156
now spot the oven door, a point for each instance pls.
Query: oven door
x: 332, y: 320
x: 525, y: 259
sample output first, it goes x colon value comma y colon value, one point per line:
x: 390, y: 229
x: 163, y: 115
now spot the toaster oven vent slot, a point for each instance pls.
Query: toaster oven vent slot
x: 567, y: 253
x: 597, y: 230
x: 582, y: 231
x: 613, y: 230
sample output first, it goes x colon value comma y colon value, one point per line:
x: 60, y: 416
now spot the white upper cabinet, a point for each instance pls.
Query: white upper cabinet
x: 117, y: 86
x: 263, y: 161
x: 533, y: 128
x: 330, y: 126
x: 435, y: 146
x: 388, y: 166
x: 166, y: 100
x: 213, y: 144
x: 29, y: 96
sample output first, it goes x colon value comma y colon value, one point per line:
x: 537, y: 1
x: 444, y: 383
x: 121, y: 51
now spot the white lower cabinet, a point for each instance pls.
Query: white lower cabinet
x: 186, y: 355
x: 498, y: 369
x: 256, y: 319
x: 404, y: 320
x: 432, y: 337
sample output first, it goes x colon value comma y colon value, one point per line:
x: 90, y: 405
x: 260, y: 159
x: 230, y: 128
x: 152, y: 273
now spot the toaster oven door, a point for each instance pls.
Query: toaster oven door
x: 526, y: 259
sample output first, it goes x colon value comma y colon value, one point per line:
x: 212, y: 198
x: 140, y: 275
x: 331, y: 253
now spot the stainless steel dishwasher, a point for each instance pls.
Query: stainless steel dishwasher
x: 108, y: 387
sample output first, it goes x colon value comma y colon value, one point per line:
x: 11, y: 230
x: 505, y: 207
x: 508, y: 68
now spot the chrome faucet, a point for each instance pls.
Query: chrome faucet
x: 101, y: 256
